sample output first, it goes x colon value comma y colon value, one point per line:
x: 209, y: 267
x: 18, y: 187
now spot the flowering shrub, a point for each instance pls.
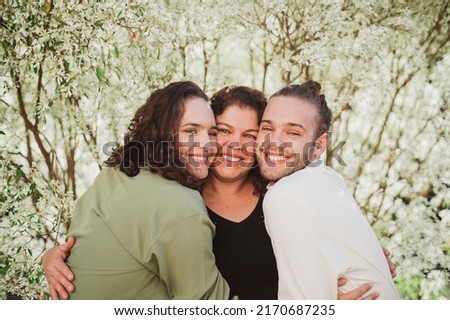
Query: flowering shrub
x: 73, y: 73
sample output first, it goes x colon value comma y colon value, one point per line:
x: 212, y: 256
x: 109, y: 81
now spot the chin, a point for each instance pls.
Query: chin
x: 200, y: 174
x: 274, y: 174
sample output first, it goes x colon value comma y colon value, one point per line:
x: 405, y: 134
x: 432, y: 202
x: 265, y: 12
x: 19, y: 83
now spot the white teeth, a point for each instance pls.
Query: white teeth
x: 230, y: 158
x: 199, y: 159
x: 276, y: 158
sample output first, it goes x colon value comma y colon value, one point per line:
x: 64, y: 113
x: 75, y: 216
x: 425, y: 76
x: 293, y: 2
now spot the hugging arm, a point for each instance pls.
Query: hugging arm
x: 303, y: 241
x: 57, y: 272
x: 60, y: 277
x: 359, y: 293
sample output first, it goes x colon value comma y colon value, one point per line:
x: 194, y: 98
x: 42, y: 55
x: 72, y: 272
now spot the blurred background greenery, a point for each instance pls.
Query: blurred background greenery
x: 73, y: 72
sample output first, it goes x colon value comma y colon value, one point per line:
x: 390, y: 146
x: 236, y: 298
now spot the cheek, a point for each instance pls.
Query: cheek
x: 300, y: 147
x: 259, y: 137
x: 249, y: 149
x: 183, y: 144
x: 263, y: 137
x: 187, y: 141
x: 221, y: 140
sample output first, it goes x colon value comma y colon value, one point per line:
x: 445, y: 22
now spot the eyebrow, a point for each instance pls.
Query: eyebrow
x: 290, y: 124
x: 230, y: 126
x: 197, y: 125
x: 193, y: 124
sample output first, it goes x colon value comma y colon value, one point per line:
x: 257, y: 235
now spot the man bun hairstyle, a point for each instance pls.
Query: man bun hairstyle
x: 310, y: 91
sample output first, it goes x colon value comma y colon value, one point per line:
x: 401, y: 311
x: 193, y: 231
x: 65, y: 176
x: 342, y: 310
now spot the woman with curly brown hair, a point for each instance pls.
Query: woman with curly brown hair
x: 142, y: 231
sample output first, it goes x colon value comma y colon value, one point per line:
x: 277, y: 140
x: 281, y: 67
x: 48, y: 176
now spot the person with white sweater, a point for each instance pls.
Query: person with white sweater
x: 316, y: 227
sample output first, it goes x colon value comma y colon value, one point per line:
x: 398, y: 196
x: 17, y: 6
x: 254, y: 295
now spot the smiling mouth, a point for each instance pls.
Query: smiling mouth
x: 198, y: 159
x: 231, y: 158
x: 276, y: 158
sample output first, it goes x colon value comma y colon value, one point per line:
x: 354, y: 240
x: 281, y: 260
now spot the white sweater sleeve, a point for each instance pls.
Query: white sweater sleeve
x: 307, y: 255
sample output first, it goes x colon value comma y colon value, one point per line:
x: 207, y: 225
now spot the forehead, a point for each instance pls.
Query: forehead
x: 238, y: 115
x: 287, y: 109
x: 197, y: 110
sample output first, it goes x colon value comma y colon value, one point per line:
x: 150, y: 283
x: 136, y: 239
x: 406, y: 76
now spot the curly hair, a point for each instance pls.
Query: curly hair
x: 310, y: 91
x: 150, y: 141
x: 243, y: 97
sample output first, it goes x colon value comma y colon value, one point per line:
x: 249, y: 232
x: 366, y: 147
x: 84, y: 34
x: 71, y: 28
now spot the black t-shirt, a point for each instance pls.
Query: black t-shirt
x: 244, y: 256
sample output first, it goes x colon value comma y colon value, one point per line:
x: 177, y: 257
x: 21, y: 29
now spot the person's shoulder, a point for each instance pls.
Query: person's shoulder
x: 149, y: 190
x: 308, y: 180
x: 172, y: 192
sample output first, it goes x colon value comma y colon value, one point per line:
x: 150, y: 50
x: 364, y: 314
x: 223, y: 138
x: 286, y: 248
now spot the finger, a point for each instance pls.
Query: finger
x: 391, y: 268
x: 341, y: 282
x: 57, y: 289
x: 53, y: 292
x: 66, y: 247
x: 61, y: 291
x: 65, y: 274
x: 364, y: 289
x: 55, y: 266
x: 372, y: 296
x: 356, y: 293
x: 387, y: 253
x: 57, y: 279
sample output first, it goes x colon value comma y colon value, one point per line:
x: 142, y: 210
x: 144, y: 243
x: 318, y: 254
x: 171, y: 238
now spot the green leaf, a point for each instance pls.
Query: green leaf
x: 33, y: 186
x: 66, y: 66
x: 116, y: 52
x: 4, y: 270
x: 19, y: 172
x: 2, y: 132
x: 100, y: 73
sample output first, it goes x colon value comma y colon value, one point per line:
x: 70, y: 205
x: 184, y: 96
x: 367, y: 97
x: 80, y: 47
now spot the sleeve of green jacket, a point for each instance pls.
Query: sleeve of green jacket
x: 184, y: 260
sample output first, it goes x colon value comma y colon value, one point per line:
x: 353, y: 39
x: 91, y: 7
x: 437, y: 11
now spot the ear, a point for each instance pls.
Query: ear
x: 321, y: 145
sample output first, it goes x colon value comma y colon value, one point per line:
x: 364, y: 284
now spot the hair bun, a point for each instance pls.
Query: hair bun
x: 313, y: 86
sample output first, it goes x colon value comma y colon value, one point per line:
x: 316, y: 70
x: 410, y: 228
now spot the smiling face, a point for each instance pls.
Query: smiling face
x: 237, y: 131
x: 286, y: 139
x: 196, y: 136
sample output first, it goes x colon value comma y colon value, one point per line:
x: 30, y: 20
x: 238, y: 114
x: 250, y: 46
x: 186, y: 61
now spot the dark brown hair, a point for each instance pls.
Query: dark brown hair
x: 310, y: 91
x: 150, y: 141
x: 243, y: 97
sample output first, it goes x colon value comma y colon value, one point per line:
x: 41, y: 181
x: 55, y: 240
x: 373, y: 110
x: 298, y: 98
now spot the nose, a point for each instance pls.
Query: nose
x: 231, y: 141
x: 270, y: 139
x: 203, y: 139
x: 275, y: 136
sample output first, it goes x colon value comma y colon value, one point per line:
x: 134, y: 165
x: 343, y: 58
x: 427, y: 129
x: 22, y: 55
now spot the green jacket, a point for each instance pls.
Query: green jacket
x: 143, y: 237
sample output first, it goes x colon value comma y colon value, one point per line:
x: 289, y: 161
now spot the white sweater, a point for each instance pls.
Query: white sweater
x: 319, y: 235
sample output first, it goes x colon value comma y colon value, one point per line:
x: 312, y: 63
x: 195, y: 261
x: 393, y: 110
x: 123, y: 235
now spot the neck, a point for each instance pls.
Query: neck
x: 225, y: 187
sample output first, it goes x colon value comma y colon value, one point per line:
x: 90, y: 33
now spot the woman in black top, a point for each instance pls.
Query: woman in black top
x: 245, y: 257
x: 233, y: 195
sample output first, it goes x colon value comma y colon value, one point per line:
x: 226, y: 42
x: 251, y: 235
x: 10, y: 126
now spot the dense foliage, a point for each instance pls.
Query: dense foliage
x: 73, y: 72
